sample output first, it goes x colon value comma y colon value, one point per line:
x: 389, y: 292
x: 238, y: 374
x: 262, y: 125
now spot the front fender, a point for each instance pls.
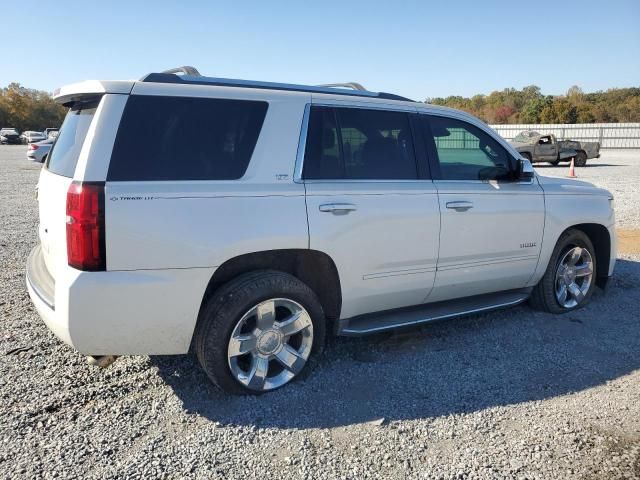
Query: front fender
x: 563, y: 211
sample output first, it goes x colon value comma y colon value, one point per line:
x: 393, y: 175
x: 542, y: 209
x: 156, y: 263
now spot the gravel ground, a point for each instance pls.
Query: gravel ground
x: 511, y: 394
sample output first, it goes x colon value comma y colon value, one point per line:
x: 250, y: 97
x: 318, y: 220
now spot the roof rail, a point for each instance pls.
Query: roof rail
x: 186, y: 70
x: 191, y: 76
x: 351, y: 85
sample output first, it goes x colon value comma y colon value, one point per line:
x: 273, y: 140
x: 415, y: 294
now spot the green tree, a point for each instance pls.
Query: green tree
x: 28, y: 109
x: 529, y: 105
x: 560, y: 111
x: 531, y: 111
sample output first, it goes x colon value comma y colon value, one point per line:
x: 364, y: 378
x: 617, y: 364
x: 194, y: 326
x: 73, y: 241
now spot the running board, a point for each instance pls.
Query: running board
x: 429, y: 312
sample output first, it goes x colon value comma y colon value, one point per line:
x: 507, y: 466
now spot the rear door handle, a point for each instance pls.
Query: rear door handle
x: 460, y: 206
x: 337, y: 208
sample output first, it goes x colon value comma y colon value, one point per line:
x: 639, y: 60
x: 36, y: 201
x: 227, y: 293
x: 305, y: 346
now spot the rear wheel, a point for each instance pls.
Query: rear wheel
x: 259, y: 332
x: 580, y: 159
x: 569, y: 280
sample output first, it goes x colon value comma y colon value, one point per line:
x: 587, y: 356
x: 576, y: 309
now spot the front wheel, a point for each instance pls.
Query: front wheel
x: 569, y: 280
x: 259, y: 332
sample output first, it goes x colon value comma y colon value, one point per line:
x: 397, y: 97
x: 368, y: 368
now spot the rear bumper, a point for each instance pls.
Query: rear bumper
x: 118, y: 312
x: 41, y: 288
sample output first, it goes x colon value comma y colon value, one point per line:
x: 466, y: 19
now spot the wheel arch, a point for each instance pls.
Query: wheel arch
x: 312, y: 267
x: 601, y: 239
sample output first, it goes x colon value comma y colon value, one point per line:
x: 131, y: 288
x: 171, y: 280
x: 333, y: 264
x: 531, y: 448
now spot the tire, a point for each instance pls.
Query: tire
x: 580, y: 159
x: 547, y: 294
x: 230, y: 322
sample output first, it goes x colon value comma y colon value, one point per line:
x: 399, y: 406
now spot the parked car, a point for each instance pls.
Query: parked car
x: 40, y: 150
x: 547, y: 148
x: 9, y: 136
x: 32, y: 137
x: 51, y: 132
x: 309, y: 211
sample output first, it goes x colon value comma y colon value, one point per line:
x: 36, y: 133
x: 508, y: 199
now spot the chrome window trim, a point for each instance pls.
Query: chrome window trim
x: 302, y: 145
x: 363, y: 105
x: 346, y: 181
x: 524, y: 182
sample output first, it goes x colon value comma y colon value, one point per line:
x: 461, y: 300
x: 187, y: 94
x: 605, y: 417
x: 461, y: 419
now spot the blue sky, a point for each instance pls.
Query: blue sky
x: 415, y: 48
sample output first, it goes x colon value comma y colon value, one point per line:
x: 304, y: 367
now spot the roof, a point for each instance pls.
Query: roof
x: 527, y: 136
x: 190, y: 75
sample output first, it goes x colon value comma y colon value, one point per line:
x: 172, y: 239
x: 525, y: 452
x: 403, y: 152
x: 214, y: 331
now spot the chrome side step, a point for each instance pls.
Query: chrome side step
x: 429, y: 312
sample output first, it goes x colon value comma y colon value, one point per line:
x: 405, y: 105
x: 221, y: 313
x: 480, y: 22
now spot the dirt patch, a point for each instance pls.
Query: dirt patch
x: 628, y: 241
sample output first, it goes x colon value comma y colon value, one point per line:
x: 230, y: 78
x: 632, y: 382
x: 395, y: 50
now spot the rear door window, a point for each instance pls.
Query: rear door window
x: 183, y: 138
x: 64, y: 155
x: 359, y: 144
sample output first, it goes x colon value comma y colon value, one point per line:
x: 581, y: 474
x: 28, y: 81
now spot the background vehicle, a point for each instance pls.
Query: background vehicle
x: 39, y: 151
x: 31, y: 136
x: 546, y: 148
x: 308, y: 211
x: 51, y: 132
x: 9, y: 136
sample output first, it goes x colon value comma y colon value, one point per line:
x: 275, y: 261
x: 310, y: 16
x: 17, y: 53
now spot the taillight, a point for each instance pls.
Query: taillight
x: 33, y: 146
x: 85, y: 226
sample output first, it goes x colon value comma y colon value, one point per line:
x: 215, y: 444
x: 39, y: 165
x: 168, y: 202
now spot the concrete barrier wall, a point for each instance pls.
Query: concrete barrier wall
x: 610, y: 135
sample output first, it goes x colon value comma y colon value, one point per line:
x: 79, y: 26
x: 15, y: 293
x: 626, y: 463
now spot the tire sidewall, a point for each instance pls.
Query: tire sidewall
x: 224, y: 310
x: 568, y: 240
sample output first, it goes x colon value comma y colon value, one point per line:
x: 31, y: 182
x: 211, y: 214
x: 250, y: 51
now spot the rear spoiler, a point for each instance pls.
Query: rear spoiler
x: 75, y: 91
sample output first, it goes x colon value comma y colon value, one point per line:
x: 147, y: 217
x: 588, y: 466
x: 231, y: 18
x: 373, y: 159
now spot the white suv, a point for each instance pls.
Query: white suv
x: 248, y: 220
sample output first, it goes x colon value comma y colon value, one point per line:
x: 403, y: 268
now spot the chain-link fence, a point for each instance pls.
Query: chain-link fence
x: 610, y: 135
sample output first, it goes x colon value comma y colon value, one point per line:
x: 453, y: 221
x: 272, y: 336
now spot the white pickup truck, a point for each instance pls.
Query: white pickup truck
x: 249, y: 220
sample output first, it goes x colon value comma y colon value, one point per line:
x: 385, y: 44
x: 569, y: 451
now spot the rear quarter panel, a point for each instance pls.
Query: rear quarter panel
x: 190, y: 224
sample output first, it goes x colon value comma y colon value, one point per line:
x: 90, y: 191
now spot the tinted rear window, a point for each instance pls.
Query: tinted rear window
x: 179, y: 138
x: 64, y: 156
x: 360, y: 144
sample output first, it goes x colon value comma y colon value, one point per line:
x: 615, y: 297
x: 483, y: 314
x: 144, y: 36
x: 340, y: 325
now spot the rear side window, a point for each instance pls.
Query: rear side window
x: 180, y: 138
x: 64, y: 156
x: 359, y: 144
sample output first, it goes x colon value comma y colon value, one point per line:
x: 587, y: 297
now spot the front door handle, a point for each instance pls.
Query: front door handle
x: 460, y: 206
x: 338, y: 208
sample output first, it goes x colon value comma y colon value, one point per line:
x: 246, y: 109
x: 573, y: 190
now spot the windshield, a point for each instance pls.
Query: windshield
x: 64, y: 155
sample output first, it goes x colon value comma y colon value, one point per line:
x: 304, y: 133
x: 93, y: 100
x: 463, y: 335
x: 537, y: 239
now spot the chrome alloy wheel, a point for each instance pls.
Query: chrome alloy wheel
x: 270, y: 344
x: 574, y: 275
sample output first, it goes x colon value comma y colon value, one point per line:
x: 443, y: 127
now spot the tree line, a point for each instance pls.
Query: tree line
x: 28, y: 109
x: 529, y: 105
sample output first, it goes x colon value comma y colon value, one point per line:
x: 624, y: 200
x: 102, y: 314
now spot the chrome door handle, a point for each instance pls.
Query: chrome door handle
x: 337, y: 208
x: 460, y: 206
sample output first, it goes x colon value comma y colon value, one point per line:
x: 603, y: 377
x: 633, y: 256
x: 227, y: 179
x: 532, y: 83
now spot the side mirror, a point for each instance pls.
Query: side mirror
x: 525, y: 169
